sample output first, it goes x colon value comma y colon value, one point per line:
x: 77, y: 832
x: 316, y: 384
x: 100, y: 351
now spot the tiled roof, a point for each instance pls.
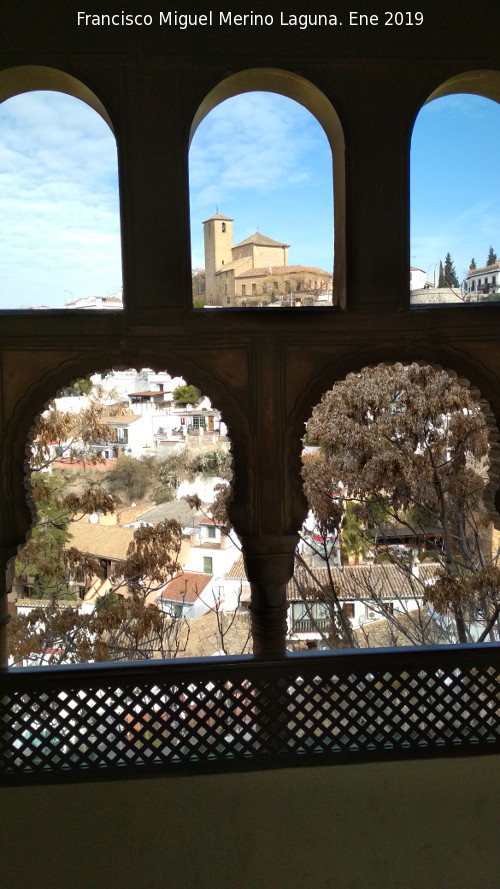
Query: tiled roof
x: 174, y: 509
x: 185, y: 586
x: 205, y: 637
x: 484, y: 268
x: 147, y: 392
x: 408, y: 629
x: 130, y: 514
x: 103, y: 541
x: 361, y: 582
x: 351, y: 581
x: 218, y: 216
x: 125, y: 419
x: 261, y: 241
x: 107, y: 541
x: 237, y: 570
x: 263, y: 271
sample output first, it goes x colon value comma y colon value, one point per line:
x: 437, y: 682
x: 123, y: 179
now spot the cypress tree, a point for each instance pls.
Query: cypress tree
x: 441, y: 278
x: 450, y: 275
x: 472, y: 265
x: 492, y: 257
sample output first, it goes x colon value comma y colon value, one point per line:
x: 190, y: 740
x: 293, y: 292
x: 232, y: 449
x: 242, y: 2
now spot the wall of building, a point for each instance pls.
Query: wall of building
x: 413, y: 825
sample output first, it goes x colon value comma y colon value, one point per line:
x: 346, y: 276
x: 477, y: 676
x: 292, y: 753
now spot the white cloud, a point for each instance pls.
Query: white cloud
x: 59, y: 215
x: 265, y: 161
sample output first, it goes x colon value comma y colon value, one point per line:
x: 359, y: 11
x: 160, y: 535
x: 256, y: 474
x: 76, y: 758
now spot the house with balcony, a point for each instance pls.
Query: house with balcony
x: 483, y: 282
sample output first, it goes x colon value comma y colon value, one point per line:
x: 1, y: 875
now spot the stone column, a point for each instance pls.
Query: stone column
x: 269, y: 564
x: 6, y: 580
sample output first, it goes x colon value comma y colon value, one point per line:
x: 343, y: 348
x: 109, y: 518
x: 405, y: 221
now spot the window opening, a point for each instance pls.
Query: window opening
x: 266, y: 204
x: 393, y: 559
x: 454, y: 205
x: 59, y: 210
x: 114, y: 567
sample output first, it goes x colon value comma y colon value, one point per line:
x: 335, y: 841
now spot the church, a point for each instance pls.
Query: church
x: 255, y: 272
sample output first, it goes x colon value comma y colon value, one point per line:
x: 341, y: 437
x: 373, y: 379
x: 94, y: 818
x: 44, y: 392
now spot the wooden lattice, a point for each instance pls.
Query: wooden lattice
x: 241, y: 712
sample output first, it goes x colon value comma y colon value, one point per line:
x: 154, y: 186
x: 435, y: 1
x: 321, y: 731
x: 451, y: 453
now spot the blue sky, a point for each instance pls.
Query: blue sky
x: 455, y: 182
x: 259, y: 158
x: 264, y: 161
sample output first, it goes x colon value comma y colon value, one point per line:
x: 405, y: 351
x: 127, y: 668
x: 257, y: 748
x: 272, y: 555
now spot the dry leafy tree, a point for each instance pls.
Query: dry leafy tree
x: 410, y: 446
x: 72, y: 434
x: 123, y: 624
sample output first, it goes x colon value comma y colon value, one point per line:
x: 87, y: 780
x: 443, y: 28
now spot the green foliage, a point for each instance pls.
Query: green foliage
x: 175, y: 469
x: 79, y: 387
x: 164, y: 494
x: 353, y: 540
x: 133, y: 477
x: 186, y: 394
x: 210, y: 463
x: 41, y: 558
x: 441, y: 277
x: 472, y: 265
x: 492, y: 257
x: 447, y: 274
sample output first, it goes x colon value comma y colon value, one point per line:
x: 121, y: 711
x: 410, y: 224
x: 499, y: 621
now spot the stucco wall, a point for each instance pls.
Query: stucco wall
x: 425, y: 825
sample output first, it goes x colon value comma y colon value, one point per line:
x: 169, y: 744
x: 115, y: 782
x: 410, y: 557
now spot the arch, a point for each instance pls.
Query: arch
x: 483, y: 82
x: 61, y: 223
x: 471, y: 375
x: 310, y: 96
x: 26, y: 78
x: 19, y: 428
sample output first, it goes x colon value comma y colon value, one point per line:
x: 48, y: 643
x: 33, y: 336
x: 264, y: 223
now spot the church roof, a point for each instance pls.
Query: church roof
x: 282, y: 270
x: 218, y: 216
x: 261, y: 241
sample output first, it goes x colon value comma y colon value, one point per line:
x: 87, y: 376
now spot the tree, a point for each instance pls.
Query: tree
x: 199, y: 288
x: 72, y: 435
x: 441, y: 277
x: 186, y: 394
x: 404, y: 439
x: 42, y: 557
x: 472, y: 265
x: 121, y: 627
x: 213, y: 463
x: 447, y: 274
x: 79, y: 387
x: 492, y: 257
x: 133, y: 477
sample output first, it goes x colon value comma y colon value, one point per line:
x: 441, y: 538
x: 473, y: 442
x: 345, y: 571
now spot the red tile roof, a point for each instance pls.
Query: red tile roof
x: 263, y: 271
x: 218, y: 216
x: 484, y: 268
x: 185, y: 586
x: 261, y: 241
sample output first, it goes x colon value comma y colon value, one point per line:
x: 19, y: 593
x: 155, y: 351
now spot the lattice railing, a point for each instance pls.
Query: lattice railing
x: 241, y: 712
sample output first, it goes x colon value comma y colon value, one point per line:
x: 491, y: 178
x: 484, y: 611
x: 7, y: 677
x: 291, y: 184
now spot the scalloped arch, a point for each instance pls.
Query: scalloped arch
x: 469, y: 373
x: 19, y: 429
